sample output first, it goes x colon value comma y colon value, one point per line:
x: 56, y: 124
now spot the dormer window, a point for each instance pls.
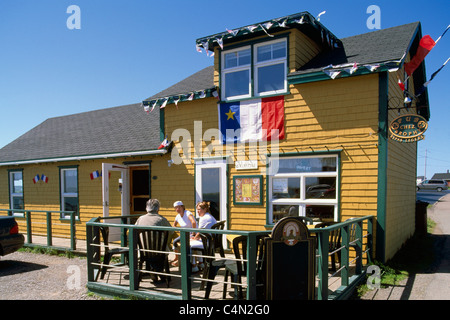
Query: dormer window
x: 255, y: 70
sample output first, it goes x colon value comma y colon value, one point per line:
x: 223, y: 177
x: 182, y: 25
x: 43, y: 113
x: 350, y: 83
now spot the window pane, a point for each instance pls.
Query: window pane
x: 307, y: 165
x: 140, y: 183
x: 320, y: 188
x: 17, y: 183
x: 284, y: 210
x: 211, y: 190
x: 238, y: 58
x: 271, y: 51
x: 264, y: 53
x: 279, y: 50
x: 244, y: 57
x: 283, y: 188
x: 320, y: 213
x: 17, y: 203
x: 70, y: 204
x: 237, y: 83
x: 271, y: 78
x: 70, y: 181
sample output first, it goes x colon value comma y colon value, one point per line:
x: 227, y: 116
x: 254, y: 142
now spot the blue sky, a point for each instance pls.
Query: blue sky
x: 127, y: 51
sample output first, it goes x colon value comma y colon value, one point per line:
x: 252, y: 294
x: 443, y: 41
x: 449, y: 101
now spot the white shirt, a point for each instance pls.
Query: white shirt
x: 184, y: 221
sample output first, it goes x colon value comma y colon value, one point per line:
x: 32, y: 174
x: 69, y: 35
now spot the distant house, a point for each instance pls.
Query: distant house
x: 325, y: 104
x: 443, y: 176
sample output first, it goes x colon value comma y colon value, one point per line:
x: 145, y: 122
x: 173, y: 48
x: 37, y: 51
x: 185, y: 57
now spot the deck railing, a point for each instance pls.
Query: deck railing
x: 356, y: 233
x: 35, y: 218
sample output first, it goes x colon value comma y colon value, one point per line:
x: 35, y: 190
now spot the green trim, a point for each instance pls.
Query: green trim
x: 261, y: 181
x: 382, y: 166
x: 322, y: 76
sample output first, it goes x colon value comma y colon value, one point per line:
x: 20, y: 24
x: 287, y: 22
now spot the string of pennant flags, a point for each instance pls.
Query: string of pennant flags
x: 266, y: 27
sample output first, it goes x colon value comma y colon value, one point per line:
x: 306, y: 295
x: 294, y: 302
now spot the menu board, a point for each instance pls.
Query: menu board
x: 247, y: 189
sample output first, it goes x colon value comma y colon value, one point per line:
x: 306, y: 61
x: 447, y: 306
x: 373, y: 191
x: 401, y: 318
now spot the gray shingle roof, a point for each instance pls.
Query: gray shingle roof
x: 119, y: 129
x: 368, y: 48
x: 201, y: 80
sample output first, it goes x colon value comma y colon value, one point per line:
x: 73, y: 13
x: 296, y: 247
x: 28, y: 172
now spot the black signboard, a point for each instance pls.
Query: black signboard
x: 290, y: 261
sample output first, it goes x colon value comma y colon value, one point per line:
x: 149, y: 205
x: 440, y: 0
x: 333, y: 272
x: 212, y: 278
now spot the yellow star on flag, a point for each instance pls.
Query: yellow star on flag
x: 230, y: 115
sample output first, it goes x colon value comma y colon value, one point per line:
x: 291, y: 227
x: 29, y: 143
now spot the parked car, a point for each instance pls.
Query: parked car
x: 10, y: 238
x: 433, y: 184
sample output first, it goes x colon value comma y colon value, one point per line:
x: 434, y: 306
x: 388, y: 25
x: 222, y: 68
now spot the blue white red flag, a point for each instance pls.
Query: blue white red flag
x: 94, y: 175
x: 252, y: 120
x: 36, y: 178
x: 44, y: 178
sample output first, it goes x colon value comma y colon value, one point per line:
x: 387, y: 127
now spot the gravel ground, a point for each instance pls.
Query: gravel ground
x: 33, y: 276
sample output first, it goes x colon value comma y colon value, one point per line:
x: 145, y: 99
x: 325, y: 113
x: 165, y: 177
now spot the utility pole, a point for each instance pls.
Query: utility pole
x: 425, y: 174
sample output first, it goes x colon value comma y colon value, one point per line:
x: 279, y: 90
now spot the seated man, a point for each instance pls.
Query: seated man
x: 152, y: 218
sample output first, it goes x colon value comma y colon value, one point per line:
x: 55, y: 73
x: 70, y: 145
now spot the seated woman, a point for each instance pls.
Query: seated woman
x: 184, y: 219
x: 206, y: 222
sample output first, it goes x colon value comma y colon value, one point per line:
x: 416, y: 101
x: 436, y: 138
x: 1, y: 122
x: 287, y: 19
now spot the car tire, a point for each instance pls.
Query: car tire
x: 417, y: 188
x: 439, y: 189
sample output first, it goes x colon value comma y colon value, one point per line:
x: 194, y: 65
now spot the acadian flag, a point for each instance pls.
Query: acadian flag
x: 252, y: 120
x: 44, y: 178
x: 36, y: 179
x: 425, y: 46
x: 94, y: 175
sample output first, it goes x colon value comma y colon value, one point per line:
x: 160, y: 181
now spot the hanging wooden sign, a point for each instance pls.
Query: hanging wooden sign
x: 408, y: 128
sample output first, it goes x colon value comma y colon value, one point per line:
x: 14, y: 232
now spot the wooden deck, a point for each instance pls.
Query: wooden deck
x: 119, y: 276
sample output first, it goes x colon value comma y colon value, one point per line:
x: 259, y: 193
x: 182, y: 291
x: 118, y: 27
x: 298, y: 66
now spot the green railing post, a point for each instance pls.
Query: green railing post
x: 132, y: 260
x: 49, y: 229
x: 185, y: 264
x: 29, y: 232
x: 90, y: 252
x: 358, y: 235
x: 345, y: 236
x: 73, y: 245
x: 370, y: 253
x: 324, y: 238
x: 251, y: 266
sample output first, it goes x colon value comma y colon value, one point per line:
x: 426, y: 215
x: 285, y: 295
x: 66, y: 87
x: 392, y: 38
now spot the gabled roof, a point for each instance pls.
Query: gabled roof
x: 117, y: 130
x: 381, y: 46
x: 443, y: 176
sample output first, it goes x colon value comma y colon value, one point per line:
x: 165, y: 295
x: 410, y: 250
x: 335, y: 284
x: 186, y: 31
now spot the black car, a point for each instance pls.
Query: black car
x: 10, y: 238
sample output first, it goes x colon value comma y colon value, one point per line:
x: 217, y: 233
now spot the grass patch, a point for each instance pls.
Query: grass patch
x: 415, y: 256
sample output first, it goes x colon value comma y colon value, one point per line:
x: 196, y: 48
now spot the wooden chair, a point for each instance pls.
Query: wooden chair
x: 109, y: 252
x: 158, y: 261
x: 334, y: 242
x: 238, y: 268
x: 212, y: 265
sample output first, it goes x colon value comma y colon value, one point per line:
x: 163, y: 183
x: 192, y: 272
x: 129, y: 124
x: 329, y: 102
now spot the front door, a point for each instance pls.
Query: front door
x: 211, y: 185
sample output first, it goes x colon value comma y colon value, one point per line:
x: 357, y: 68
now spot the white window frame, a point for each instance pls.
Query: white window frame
x: 13, y: 194
x: 253, y: 70
x: 267, y: 63
x: 226, y: 71
x: 302, y: 202
x: 67, y: 194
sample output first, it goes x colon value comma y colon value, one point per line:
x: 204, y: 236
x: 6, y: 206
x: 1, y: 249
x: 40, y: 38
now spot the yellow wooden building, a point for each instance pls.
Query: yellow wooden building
x: 330, y: 158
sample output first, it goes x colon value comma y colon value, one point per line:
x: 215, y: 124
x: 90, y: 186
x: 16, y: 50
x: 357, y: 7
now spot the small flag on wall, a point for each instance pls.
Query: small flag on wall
x: 44, y: 178
x: 36, y: 179
x: 94, y: 175
x: 260, y: 119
